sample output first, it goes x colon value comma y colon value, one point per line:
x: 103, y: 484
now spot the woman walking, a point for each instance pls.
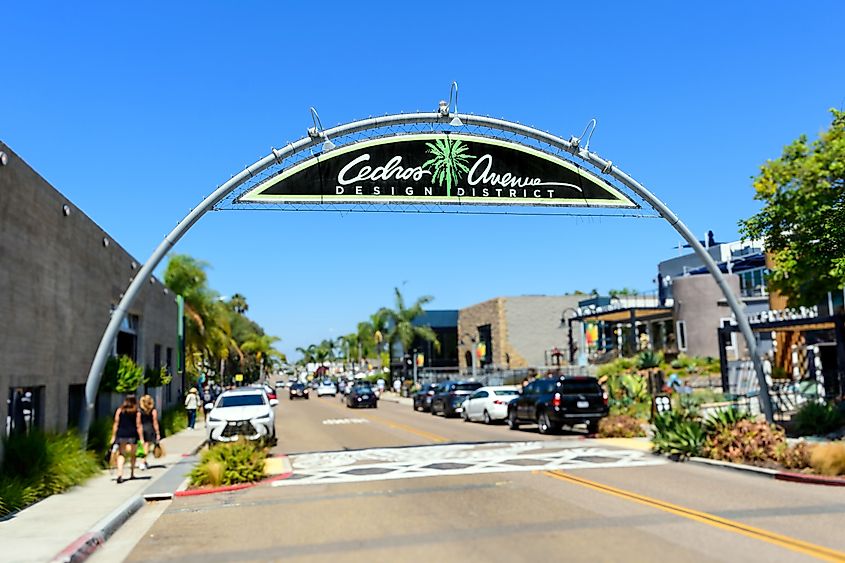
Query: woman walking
x: 125, y: 434
x: 192, y: 403
x: 149, y: 424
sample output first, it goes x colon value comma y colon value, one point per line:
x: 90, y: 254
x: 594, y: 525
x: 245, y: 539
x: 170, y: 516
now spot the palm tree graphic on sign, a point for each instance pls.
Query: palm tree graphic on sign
x: 449, y: 162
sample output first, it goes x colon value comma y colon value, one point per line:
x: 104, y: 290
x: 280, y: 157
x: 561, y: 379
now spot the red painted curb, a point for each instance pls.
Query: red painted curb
x: 82, y: 548
x: 811, y: 479
x: 230, y: 488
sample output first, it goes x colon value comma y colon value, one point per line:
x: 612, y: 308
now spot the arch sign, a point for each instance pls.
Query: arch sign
x: 441, y: 163
x: 439, y: 168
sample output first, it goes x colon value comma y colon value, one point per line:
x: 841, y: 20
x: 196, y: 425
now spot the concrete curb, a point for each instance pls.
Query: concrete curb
x: 805, y: 478
x: 231, y: 488
x: 89, y: 542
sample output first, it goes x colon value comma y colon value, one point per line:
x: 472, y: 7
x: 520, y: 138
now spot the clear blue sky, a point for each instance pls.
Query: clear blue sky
x: 136, y: 113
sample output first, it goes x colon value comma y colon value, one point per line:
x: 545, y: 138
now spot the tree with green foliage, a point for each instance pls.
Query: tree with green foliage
x: 803, y: 216
x: 401, y: 323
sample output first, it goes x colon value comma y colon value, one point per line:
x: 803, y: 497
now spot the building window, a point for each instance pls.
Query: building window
x: 485, y: 336
x: 752, y: 283
x: 25, y: 409
x: 75, y: 404
x: 169, y: 365
x: 681, y: 329
x: 157, y: 356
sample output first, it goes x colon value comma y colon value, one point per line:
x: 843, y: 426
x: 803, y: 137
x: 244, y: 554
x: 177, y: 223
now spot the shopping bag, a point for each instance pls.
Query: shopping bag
x: 139, y: 452
x: 158, y: 450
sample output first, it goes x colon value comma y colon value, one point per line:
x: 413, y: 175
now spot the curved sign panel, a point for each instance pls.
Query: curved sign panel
x: 438, y: 168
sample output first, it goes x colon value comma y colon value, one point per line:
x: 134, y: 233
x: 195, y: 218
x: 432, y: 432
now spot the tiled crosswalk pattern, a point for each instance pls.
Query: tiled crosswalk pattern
x: 456, y: 459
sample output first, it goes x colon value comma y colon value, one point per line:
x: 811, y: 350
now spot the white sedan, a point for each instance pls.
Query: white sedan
x: 489, y: 404
x: 243, y: 412
x: 326, y: 387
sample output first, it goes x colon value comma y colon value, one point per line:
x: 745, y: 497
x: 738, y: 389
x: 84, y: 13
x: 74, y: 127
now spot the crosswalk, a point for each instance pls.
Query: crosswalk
x: 380, y: 464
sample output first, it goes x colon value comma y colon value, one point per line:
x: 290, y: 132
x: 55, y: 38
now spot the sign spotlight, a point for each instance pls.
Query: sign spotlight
x: 317, y: 131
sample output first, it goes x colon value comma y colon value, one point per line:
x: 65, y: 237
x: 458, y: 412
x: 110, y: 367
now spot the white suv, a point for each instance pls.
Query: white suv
x: 243, y: 412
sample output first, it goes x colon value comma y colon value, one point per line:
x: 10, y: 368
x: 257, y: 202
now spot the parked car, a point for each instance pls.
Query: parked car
x: 298, y: 391
x: 244, y: 412
x: 489, y: 404
x: 326, y: 387
x: 450, y: 397
x: 271, y: 393
x: 422, y: 398
x: 281, y: 383
x: 361, y: 395
x: 552, y: 402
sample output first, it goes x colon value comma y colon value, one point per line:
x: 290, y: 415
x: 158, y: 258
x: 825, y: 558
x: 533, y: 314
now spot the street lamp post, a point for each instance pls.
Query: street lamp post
x: 568, y: 321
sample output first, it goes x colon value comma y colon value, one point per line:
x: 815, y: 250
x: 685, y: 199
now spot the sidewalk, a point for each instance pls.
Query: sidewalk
x: 42, y: 531
x: 392, y: 397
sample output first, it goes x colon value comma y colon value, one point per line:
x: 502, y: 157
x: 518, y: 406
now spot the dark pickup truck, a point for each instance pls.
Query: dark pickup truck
x: 552, y: 402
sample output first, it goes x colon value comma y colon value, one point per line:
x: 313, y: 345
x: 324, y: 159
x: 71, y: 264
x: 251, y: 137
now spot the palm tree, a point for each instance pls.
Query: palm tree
x: 261, y: 347
x: 449, y: 161
x: 238, y: 304
x: 401, y: 323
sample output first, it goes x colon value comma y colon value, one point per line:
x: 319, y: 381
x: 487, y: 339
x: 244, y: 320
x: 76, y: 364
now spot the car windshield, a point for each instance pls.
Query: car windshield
x: 506, y: 392
x: 241, y: 401
x: 363, y: 389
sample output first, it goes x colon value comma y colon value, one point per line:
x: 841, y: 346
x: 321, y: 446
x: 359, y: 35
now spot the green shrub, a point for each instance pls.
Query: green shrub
x: 628, y: 395
x: 99, y: 438
x: 37, y: 465
x: 747, y: 441
x: 648, y: 359
x: 724, y: 419
x: 130, y: 375
x: 814, y: 419
x: 173, y: 420
x: 678, y: 433
x: 157, y: 377
x: 620, y: 426
x: 230, y: 464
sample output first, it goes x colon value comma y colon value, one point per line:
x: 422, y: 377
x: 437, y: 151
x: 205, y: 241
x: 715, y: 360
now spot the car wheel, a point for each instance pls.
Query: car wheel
x: 513, y: 423
x: 487, y: 419
x: 433, y: 411
x: 465, y: 416
x: 544, y: 425
x: 592, y: 426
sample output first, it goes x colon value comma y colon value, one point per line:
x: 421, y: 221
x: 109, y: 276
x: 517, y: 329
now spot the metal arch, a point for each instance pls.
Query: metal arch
x: 278, y: 155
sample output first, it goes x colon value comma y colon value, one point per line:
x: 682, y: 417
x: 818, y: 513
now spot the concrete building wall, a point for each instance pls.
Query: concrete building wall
x: 700, y: 305
x: 58, y: 283
x: 523, y: 328
x: 534, y: 327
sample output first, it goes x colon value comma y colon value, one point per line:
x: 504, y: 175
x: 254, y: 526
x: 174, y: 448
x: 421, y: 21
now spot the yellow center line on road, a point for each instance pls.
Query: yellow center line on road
x: 787, y: 542
x: 399, y: 426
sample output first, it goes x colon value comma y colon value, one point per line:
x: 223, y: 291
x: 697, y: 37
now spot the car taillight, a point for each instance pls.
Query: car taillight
x: 500, y: 402
x: 556, y: 400
x: 604, y: 397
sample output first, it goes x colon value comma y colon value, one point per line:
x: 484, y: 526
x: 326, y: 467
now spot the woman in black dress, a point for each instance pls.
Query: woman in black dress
x: 126, y: 432
x: 149, y: 424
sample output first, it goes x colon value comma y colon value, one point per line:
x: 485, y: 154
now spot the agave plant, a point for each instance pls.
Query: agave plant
x: 449, y: 161
x: 678, y: 434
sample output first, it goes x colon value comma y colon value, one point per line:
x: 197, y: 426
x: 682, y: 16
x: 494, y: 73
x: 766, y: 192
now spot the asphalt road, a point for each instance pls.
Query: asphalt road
x: 389, y: 484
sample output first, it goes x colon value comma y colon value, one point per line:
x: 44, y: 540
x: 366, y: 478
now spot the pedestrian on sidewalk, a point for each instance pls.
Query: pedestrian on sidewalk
x: 192, y: 403
x: 149, y: 424
x: 125, y: 434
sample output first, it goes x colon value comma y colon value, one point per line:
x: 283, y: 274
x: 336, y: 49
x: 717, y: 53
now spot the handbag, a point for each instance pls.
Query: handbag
x: 158, y: 450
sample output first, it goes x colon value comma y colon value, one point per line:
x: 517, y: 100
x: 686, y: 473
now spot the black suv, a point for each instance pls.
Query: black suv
x: 451, y: 395
x: 422, y: 398
x: 552, y: 402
